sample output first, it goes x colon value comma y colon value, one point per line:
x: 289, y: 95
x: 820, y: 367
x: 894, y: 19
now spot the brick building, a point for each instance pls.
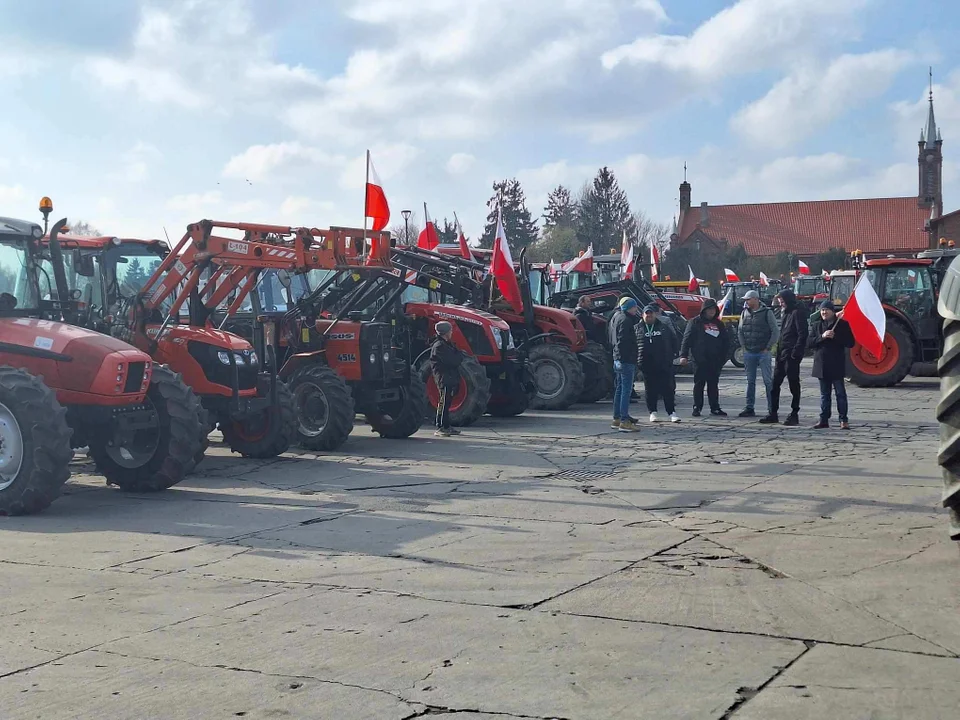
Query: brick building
x: 805, y: 229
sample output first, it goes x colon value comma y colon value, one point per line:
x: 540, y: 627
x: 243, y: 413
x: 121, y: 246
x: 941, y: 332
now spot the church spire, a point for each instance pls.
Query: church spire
x: 931, y: 134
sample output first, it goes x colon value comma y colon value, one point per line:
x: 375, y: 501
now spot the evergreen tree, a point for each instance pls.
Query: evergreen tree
x: 519, y: 225
x: 604, y: 213
x: 448, y: 232
x: 561, y: 210
x: 135, y: 277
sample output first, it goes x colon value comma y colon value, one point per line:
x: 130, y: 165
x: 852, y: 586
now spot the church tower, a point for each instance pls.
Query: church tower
x: 931, y: 163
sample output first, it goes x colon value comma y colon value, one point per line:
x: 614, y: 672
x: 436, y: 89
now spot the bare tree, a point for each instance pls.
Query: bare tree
x: 650, y: 233
x: 82, y: 227
x: 406, y: 233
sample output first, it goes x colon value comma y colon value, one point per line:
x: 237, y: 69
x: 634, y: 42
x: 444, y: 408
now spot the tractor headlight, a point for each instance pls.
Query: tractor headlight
x: 373, y: 358
x: 497, y: 337
x: 253, y: 359
x: 510, y: 344
x: 386, y: 356
x: 223, y: 357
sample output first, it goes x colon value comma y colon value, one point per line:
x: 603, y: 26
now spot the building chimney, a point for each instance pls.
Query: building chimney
x: 704, y: 215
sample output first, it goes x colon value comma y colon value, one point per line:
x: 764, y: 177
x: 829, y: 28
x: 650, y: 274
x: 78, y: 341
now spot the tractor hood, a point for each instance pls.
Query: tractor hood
x: 457, y: 312
x: 179, y: 334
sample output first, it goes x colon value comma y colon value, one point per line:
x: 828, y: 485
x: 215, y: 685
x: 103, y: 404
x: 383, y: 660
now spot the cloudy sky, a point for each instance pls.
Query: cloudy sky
x: 138, y: 115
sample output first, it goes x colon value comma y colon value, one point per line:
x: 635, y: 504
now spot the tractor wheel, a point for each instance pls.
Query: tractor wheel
x: 601, y: 384
x: 948, y: 415
x: 35, y: 448
x: 736, y: 353
x: 402, y: 418
x: 470, y: 402
x: 207, y: 426
x: 323, y: 407
x: 159, y: 457
x: 511, y: 406
x: 894, y: 362
x: 558, y: 375
x: 266, y: 435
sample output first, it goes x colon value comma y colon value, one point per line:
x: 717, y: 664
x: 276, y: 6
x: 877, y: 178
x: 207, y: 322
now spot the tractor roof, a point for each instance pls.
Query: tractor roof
x: 85, y: 242
x: 909, y: 262
x: 18, y: 228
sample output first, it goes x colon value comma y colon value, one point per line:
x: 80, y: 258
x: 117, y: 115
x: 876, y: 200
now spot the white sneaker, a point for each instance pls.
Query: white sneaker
x: 674, y: 417
x: 654, y: 418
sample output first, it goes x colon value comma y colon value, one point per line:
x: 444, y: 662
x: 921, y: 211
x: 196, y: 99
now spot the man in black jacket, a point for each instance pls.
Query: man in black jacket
x: 794, y: 331
x: 657, y: 347
x: 445, y: 360
x: 831, y: 339
x: 623, y: 343
x: 584, y: 314
x: 708, y: 342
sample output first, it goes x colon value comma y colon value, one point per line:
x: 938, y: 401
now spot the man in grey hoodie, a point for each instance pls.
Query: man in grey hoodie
x: 758, y: 333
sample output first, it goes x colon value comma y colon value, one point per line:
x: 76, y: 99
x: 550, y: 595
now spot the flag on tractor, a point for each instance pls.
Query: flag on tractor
x: 654, y: 263
x: 764, y: 280
x: 501, y: 267
x: 694, y: 285
x: 730, y: 275
x: 429, y: 238
x: 462, y: 239
x: 866, y: 317
x: 803, y: 267
x: 581, y: 264
x: 725, y: 304
x: 626, y: 257
x: 375, y: 205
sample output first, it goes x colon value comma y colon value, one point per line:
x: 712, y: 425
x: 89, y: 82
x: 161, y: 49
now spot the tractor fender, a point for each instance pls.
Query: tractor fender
x: 298, y: 360
x: 420, y: 357
x: 948, y: 303
x: 536, y: 340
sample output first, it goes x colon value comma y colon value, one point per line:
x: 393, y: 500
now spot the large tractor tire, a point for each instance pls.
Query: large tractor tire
x: 515, y: 404
x: 948, y: 409
x: 402, y: 418
x: 558, y: 376
x: 600, y: 385
x: 323, y: 408
x: 472, y: 397
x: 736, y: 352
x: 160, y: 457
x: 267, y: 434
x: 894, y: 363
x: 35, y: 448
x: 207, y: 426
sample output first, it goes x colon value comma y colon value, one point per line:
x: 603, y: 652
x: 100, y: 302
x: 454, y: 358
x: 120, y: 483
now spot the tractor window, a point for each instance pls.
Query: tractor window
x: 414, y: 294
x: 910, y: 290
x: 841, y: 288
x: 13, y: 279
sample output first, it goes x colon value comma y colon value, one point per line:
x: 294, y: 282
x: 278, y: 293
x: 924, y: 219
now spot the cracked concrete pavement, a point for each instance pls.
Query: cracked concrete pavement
x: 537, y: 567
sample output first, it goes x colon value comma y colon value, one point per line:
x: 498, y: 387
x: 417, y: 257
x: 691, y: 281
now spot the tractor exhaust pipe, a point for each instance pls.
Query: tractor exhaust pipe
x: 59, y: 273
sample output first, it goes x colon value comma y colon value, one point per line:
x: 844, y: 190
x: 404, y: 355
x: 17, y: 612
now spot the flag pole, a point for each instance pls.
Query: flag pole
x: 365, y: 186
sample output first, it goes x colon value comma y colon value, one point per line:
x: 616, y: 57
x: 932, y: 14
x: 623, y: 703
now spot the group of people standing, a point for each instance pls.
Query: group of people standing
x: 774, y: 345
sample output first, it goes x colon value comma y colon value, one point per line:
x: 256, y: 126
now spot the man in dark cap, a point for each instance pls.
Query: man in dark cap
x: 657, y: 347
x: 623, y: 342
x: 831, y: 338
x: 793, y: 342
x: 445, y: 360
x: 706, y: 340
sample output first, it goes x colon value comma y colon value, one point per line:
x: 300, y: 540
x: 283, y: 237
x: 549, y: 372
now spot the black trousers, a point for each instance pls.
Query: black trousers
x: 709, y: 376
x: 659, y: 383
x: 443, y: 405
x: 786, y: 368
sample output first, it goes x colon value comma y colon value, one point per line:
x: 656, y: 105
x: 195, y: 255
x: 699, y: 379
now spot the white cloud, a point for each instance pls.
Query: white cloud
x: 746, y: 37
x: 460, y: 163
x: 260, y: 162
x: 297, y: 208
x: 196, y: 204
x: 654, y: 8
x: 389, y: 160
x: 812, y: 96
x: 11, y: 193
x: 155, y: 85
x: 136, y: 162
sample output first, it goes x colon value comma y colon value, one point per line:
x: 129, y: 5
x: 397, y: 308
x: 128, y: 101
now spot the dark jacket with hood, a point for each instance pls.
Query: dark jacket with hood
x: 657, y: 346
x: 794, y: 329
x: 623, y: 338
x: 707, y: 341
x: 830, y: 354
x: 445, y: 360
x: 590, y: 325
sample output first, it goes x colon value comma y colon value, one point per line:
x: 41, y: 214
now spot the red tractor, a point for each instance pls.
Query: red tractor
x: 57, y: 380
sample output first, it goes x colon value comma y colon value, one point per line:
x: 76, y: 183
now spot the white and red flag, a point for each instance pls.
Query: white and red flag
x: 501, y: 267
x: 462, y: 239
x: 725, y: 303
x: 764, y: 280
x: 694, y: 285
x: 375, y: 205
x: 865, y: 315
x: 654, y: 263
x: 581, y: 264
x: 803, y: 268
x: 429, y: 238
x: 730, y: 275
x: 626, y: 257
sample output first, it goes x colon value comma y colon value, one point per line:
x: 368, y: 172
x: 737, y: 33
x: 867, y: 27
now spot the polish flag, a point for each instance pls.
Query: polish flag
x: 654, y: 263
x: 694, y: 286
x: 730, y: 275
x: 725, y: 303
x: 429, y: 239
x: 501, y: 267
x: 626, y: 257
x: 866, y: 317
x: 375, y: 206
x: 764, y: 280
x: 582, y: 264
x: 804, y: 268
x: 462, y: 239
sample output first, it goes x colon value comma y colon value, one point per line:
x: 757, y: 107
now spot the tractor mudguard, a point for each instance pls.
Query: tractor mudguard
x: 297, y: 360
x: 535, y: 339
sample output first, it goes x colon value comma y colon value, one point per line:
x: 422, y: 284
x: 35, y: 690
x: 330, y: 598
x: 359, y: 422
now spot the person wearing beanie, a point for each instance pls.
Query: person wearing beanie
x: 831, y: 339
x: 623, y: 342
x: 656, y: 349
x: 445, y: 360
x: 758, y: 333
x: 706, y: 339
x: 794, y: 331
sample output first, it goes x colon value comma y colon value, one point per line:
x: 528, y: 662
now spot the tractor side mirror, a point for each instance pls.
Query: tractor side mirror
x: 284, y: 277
x: 83, y: 264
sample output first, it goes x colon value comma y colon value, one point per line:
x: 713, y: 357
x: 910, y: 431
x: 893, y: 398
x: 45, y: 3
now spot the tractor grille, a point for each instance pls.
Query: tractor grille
x: 479, y: 342
x: 134, y: 377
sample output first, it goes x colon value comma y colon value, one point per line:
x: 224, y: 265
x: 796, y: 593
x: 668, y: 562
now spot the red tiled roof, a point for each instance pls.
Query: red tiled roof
x: 808, y: 228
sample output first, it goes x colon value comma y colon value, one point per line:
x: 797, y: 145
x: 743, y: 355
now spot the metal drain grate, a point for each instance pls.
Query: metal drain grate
x: 582, y: 474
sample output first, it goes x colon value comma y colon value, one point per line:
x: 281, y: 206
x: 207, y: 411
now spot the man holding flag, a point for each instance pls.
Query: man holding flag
x: 831, y: 339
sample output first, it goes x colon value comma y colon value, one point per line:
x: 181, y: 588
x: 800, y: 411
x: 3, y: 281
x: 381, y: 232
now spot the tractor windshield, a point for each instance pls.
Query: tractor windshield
x: 808, y: 286
x: 16, y: 291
